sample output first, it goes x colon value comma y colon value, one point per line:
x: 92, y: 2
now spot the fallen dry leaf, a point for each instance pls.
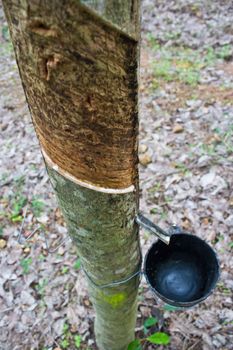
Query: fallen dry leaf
x: 145, y: 159
x: 177, y: 128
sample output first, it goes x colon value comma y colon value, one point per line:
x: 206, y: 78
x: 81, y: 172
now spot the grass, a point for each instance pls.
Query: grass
x: 64, y: 270
x: 6, y: 46
x: 4, y: 177
x: 183, y: 64
x: 37, y: 206
x: 68, y: 338
x: 77, y: 264
x: 25, y: 263
x: 224, y: 140
x: 16, y: 201
x: 40, y: 287
x: 182, y: 168
x: 223, y: 289
x: 18, y: 204
x: 224, y: 52
x: 5, y: 33
x: 155, y: 188
x: 209, y: 150
x: 162, y: 214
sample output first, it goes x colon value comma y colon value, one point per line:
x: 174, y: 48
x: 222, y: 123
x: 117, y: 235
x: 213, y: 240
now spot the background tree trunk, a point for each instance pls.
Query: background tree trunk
x: 78, y: 64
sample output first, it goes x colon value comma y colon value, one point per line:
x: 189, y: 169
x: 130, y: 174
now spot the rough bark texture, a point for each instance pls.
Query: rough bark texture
x: 78, y: 64
x: 103, y: 228
x: 84, y: 68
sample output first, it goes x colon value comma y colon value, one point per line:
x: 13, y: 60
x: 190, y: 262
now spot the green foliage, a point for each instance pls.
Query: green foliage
x: 162, y: 213
x: 225, y: 52
x: 159, y: 338
x: 77, y: 264
x: 19, y: 182
x: 210, y: 150
x: 172, y: 35
x: 178, y: 63
x: 68, y: 340
x: 16, y: 209
x: 190, y: 77
x: 4, y: 177
x: 41, y: 257
x: 17, y: 200
x: 163, y: 69
x: 168, y: 199
x: 154, y: 211
x: 148, y: 323
x: 77, y: 341
x: 153, y: 42
x: 65, y: 343
x: 37, y: 206
x: 64, y: 270
x: 65, y: 328
x: 135, y: 345
x: 183, y: 168
x: 168, y: 307
x: 210, y: 57
x: 5, y: 33
x: 25, y: 264
x: 40, y: 287
x: 225, y: 138
x: 6, y: 46
x: 221, y: 286
x: 155, y: 188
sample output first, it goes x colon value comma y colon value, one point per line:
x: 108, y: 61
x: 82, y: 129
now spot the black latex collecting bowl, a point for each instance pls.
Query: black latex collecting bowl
x: 184, y: 272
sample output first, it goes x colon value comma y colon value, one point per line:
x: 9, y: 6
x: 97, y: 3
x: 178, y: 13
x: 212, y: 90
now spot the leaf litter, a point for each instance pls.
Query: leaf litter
x: 186, y: 154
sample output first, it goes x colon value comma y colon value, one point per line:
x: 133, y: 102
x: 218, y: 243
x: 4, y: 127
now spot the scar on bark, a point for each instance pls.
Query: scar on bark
x: 49, y: 64
x: 38, y: 27
x: 90, y: 105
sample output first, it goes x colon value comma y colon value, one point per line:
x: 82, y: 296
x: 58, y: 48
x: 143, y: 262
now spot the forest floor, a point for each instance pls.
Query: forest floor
x: 186, y: 154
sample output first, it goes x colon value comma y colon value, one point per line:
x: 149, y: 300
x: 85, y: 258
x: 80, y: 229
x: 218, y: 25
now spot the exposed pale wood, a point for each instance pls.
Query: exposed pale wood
x: 68, y: 176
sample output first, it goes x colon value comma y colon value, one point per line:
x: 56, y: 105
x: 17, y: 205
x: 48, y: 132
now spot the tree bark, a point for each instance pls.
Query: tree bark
x: 78, y: 63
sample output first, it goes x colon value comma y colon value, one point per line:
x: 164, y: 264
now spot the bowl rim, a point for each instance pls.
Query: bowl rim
x: 183, y: 304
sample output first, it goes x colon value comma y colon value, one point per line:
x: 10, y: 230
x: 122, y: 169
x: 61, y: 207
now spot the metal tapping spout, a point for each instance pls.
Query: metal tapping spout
x: 151, y: 227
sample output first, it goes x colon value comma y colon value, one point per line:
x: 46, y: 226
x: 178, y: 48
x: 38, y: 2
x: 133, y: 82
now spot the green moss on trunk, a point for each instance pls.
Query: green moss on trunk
x: 103, y: 227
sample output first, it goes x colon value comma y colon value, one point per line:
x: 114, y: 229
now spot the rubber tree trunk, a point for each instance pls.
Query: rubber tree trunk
x: 78, y: 63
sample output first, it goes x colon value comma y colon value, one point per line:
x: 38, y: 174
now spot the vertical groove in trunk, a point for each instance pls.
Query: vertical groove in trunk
x: 78, y: 63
